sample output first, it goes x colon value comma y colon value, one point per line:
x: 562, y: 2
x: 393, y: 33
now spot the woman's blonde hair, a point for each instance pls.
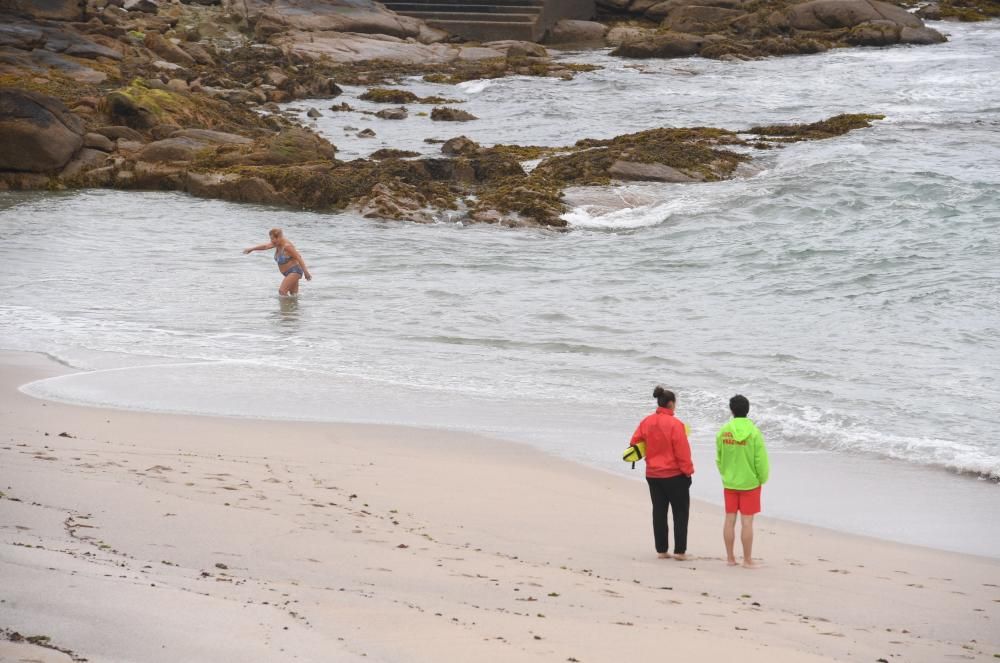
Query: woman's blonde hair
x: 274, y: 232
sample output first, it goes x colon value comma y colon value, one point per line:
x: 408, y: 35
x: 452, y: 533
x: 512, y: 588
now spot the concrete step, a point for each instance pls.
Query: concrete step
x: 473, y: 17
x: 439, y: 8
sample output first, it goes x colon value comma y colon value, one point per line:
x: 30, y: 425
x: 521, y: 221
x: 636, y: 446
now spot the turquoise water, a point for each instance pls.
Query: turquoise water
x: 849, y: 287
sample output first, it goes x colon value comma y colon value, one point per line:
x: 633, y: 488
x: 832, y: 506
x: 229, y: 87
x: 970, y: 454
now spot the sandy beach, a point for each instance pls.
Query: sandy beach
x: 128, y: 536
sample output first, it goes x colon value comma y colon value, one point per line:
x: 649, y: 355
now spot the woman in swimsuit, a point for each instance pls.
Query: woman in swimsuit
x: 290, y: 262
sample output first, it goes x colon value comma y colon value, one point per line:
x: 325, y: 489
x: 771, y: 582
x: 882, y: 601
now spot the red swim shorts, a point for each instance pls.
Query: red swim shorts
x: 746, y: 502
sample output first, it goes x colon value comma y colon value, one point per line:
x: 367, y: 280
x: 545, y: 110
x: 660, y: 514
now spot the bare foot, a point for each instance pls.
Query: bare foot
x: 750, y: 564
x: 732, y: 562
x: 681, y: 556
x: 663, y: 555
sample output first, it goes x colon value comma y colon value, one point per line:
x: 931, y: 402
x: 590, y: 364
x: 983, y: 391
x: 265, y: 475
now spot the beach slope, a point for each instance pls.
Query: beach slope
x: 127, y: 536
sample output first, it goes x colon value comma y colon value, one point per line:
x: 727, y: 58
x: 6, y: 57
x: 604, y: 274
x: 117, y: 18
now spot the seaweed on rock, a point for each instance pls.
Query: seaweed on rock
x: 834, y: 126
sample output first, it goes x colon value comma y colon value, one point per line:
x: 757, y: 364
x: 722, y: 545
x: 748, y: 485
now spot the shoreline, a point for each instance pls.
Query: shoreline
x: 394, y: 543
x: 822, y: 489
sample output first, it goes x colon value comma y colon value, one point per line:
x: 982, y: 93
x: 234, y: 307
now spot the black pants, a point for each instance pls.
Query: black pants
x: 672, y: 493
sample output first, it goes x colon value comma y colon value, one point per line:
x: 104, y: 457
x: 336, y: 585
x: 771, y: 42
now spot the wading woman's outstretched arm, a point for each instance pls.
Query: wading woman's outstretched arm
x: 290, y: 262
x: 259, y: 247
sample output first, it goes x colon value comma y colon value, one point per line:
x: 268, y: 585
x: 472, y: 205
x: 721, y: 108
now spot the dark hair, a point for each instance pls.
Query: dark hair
x: 739, y: 405
x: 664, y: 397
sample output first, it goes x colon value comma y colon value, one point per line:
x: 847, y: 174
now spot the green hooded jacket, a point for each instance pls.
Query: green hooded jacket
x: 740, y: 455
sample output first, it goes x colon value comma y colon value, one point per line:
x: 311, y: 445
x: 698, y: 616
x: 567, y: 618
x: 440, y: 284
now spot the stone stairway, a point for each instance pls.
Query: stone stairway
x: 490, y: 20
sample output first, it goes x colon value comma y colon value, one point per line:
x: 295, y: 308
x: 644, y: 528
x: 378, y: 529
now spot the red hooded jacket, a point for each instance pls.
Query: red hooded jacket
x: 668, y: 453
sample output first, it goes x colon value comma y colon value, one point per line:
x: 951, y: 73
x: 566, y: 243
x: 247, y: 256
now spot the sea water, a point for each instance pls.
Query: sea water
x: 848, y: 287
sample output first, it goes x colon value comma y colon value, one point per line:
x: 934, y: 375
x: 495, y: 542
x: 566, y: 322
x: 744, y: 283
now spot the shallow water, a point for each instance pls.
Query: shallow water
x: 849, y: 287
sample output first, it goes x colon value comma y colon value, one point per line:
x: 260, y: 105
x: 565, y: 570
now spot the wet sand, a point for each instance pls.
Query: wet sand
x: 127, y: 536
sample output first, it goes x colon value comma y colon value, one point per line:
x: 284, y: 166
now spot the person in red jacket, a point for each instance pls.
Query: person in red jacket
x: 668, y: 471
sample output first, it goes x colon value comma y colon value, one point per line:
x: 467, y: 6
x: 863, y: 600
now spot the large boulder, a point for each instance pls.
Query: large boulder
x: 834, y: 14
x: 620, y: 34
x: 37, y: 132
x: 86, y: 159
x: 648, y: 172
x: 398, y: 201
x: 64, y: 10
x: 342, y: 47
x: 460, y: 145
x: 291, y: 145
x: 172, y: 150
x: 198, y: 52
x: 874, y: 33
x: 513, y: 48
x: 930, y: 12
x: 168, y: 50
x: 358, y: 16
x: 98, y: 141
x: 69, y: 67
x: 21, y: 36
x: 921, y: 36
x: 447, y: 114
x: 399, y: 113
x: 569, y: 31
x: 700, y: 19
x: 664, y: 45
x: 232, y: 187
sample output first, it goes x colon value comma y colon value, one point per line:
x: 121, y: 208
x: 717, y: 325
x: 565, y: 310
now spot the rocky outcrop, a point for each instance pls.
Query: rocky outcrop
x: 349, y: 47
x: 150, y: 103
x: 168, y: 50
x: 445, y: 114
x: 650, y: 172
x: 65, y: 10
x: 961, y: 10
x: 738, y: 29
x: 396, y: 201
x: 38, y: 133
x: 399, y: 113
x: 270, y: 17
x: 460, y: 145
x: 232, y: 187
x: 665, y: 45
x: 569, y: 31
x: 699, y: 19
x: 171, y: 150
x: 833, y: 14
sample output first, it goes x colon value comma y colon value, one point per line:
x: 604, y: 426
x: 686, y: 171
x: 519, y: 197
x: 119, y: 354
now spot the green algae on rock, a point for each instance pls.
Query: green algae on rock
x: 970, y: 10
x: 695, y: 152
x: 761, y: 28
x: 142, y: 107
x: 834, y: 126
x: 445, y: 114
x: 391, y: 153
x: 382, y: 95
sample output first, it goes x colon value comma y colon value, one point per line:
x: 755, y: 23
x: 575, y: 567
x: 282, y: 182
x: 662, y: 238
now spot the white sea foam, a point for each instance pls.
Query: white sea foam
x: 628, y: 217
x: 476, y: 86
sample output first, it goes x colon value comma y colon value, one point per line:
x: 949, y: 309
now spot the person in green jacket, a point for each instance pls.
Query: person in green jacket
x: 741, y: 457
